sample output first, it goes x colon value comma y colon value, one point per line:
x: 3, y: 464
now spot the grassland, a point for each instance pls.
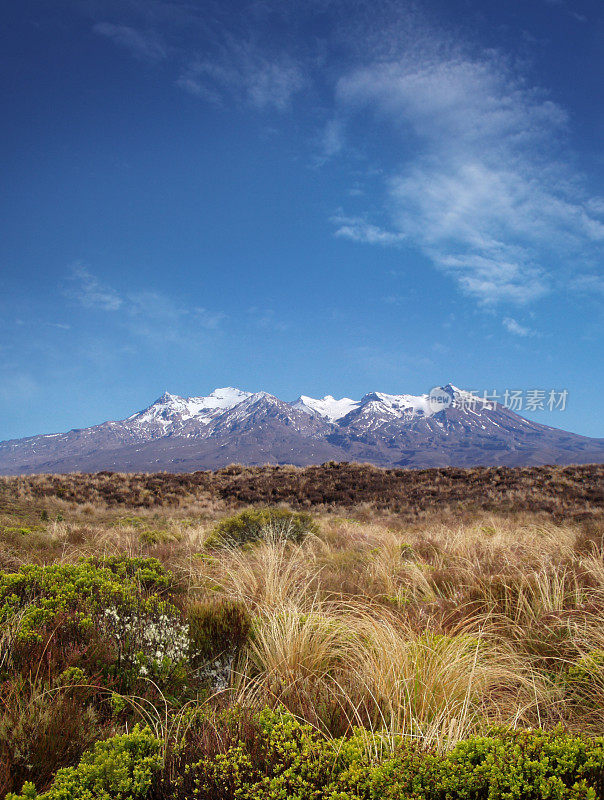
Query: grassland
x: 393, y: 634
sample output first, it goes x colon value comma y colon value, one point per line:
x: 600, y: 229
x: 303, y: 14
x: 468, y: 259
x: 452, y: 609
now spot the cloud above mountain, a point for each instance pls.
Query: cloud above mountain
x: 478, y: 176
x: 481, y: 187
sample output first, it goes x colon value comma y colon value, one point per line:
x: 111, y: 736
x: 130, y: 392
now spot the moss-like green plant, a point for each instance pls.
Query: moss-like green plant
x: 255, y: 523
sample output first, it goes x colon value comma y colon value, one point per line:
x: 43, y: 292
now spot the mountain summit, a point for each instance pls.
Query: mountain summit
x: 182, y: 434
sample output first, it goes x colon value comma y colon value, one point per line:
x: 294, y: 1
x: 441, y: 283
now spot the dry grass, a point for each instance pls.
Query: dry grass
x: 412, y: 624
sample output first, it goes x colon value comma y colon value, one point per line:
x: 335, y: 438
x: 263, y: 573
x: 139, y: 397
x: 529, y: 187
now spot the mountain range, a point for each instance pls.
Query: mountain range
x: 184, y: 434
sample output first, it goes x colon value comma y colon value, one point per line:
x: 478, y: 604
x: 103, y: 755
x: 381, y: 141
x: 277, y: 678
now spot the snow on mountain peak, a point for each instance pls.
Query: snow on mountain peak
x: 203, y: 409
x: 398, y: 405
x: 327, y: 407
x: 171, y: 408
x: 170, y: 411
x: 228, y: 394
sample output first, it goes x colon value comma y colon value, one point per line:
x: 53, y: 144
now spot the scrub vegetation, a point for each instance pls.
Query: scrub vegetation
x: 214, y: 645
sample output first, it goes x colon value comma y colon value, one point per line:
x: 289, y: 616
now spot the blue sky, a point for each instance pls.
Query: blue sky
x: 318, y: 197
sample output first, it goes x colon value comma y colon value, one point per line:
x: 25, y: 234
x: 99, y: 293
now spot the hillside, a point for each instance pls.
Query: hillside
x: 559, y: 492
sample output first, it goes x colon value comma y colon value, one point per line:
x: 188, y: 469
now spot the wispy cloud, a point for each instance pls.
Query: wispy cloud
x: 266, y: 318
x: 61, y: 326
x: 359, y: 230
x: 480, y: 185
x: 144, y: 45
x: 372, y: 359
x: 514, y: 327
x: 243, y: 71
x: 147, y: 314
x: 482, y: 190
x: 90, y: 292
x: 17, y: 387
x: 213, y: 56
x: 588, y: 283
x: 571, y: 12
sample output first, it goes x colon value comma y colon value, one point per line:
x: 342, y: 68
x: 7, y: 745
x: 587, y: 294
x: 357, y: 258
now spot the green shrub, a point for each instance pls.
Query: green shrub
x: 584, y: 682
x: 120, y: 768
x: 150, y: 537
x: 217, y: 631
x: 231, y: 755
x: 526, y: 764
x: 280, y: 758
x: 28, y: 538
x: 277, y: 758
x: 118, y: 598
x: 255, y: 523
x: 506, y: 765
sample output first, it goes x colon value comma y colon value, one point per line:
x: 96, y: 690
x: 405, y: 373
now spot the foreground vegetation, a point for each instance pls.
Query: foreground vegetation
x: 195, y: 650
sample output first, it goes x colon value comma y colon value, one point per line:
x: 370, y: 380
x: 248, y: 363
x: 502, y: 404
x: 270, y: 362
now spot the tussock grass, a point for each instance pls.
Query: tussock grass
x: 422, y: 629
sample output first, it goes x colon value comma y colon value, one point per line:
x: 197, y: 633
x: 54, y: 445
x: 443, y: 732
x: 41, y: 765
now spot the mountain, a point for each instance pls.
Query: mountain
x: 183, y: 434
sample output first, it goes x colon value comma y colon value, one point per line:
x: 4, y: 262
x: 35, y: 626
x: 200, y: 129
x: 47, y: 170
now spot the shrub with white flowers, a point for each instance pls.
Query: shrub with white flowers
x: 151, y: 644
x: 124, y: 600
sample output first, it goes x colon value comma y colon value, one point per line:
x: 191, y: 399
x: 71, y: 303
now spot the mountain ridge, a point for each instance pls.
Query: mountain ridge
x: 448, y: 427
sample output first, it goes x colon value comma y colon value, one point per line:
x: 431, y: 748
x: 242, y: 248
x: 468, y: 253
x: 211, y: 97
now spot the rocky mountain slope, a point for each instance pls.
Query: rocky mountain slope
x: 229, y: 425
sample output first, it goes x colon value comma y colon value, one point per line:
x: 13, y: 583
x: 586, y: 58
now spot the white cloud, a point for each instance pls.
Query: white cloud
x: 512, y: 326
x: 243, y: 71
x: 208, y: 319
x: 144, y: 45
x: 481, y: 189
x: 588, y: 284
x: 87, y: 290
x: 59, y: 325
x: 359, y: 230
x: 146, y: 314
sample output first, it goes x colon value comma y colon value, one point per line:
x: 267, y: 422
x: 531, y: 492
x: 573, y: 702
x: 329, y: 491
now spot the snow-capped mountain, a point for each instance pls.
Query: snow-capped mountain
x: 170, y: 411
x: 181, y: 434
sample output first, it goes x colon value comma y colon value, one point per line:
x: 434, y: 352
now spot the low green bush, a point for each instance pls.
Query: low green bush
x: 256, y: 523
x: 583, y: 682
x: 231, y: 755
x: 284, y: 759
x: 505, y: 765
x: 121, y: 599
x: 151, y: 536
x: 270, y: 756
x: 34, y: 538
x: 120, y: 768
x: 526, y: 764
